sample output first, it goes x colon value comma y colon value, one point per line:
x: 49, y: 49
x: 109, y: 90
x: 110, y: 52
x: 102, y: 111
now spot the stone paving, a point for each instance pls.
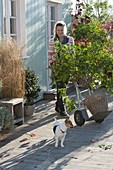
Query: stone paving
x: 31, y: 146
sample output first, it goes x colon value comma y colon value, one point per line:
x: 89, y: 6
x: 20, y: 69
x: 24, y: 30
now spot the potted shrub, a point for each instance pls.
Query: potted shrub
x: 32, y: 90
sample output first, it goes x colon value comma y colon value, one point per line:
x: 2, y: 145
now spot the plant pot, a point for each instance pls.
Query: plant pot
x: 29, y: 110
x: 97, y: 102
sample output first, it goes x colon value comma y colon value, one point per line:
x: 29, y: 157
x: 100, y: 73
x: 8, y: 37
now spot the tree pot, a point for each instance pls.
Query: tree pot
x: 29, y: 110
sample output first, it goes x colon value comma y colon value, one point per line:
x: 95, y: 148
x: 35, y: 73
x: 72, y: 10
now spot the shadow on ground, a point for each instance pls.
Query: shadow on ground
x: 43, y: 155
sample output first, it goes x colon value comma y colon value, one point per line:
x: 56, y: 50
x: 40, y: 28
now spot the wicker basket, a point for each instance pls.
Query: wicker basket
x: 96, y: 103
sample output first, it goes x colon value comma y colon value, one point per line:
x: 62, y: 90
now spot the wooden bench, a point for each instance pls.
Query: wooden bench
x: 16, y: 107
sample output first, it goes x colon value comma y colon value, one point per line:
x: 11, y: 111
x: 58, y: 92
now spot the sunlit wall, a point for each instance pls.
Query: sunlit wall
x: 36, y: 39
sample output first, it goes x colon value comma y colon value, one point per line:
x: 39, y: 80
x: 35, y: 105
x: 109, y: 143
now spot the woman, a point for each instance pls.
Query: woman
x: 60, y: 31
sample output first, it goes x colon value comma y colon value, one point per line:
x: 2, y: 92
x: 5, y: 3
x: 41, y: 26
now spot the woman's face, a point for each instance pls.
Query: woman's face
x: 60, y: 31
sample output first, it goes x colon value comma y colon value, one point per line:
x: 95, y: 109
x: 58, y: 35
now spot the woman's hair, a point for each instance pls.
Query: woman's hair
x: 59, y: 23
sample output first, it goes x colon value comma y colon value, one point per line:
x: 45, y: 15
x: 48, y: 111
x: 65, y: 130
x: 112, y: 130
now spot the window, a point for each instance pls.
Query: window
x: 14, y: 20
x: 51, y: 18
x: 54, y: 13
x: 10, y: 18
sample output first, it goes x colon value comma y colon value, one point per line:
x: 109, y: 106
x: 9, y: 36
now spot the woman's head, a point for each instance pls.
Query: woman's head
x: 60, y: 29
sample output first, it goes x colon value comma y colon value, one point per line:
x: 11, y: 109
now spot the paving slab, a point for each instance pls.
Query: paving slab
x: 82, y: 149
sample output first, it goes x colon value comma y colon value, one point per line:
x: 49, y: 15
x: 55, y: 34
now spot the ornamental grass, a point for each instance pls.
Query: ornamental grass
x: 12, y: 74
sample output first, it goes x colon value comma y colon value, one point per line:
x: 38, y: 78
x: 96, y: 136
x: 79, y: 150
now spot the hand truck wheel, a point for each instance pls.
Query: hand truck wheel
x: 78, y: 117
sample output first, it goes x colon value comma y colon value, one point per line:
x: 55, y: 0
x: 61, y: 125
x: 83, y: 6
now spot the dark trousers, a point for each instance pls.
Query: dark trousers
x: 60, y: 107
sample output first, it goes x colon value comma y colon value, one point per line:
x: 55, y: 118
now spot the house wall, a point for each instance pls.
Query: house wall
x: 36, y: 39
x: 1, y: 19
x: 36, y: 35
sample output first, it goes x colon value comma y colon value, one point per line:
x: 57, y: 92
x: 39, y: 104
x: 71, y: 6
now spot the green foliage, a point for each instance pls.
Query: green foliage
x: 105, y: 147
x: 100, y: 10
x: 70, y: 104
x: 91, y: 59
x: 90, y: 32
x: 84, y: 61
x: 32, y: 88
x: 6, y: 119
x: 93, y: 55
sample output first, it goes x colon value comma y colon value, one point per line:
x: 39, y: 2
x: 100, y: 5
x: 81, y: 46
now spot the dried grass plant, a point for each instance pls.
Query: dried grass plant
x: 12, y: 74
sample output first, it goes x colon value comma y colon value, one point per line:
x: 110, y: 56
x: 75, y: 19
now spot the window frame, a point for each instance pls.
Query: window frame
x: 20, y: 21
x: 7, y: 17
x: 49, y: 21
x: 58, y: 16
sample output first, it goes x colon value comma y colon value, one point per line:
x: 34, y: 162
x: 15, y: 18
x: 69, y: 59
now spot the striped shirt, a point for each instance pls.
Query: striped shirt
x: 51, y: 48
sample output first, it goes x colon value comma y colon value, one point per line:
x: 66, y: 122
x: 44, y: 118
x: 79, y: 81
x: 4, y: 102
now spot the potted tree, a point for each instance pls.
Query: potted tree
x: 89, y: 59
x: 32, y: 90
